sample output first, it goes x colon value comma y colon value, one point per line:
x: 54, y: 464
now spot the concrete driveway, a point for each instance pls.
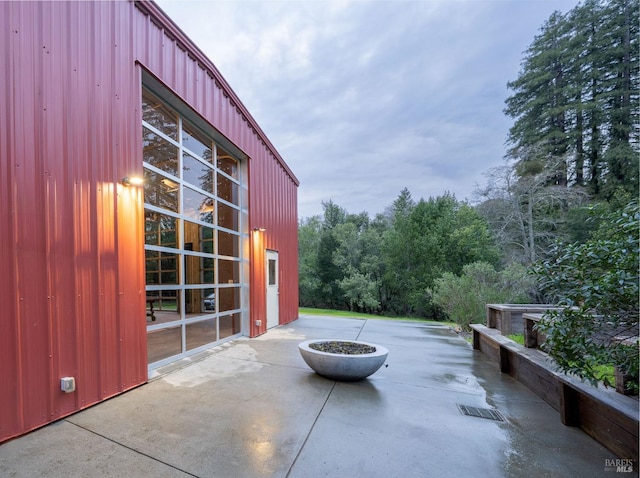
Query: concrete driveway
x: 252, y: 408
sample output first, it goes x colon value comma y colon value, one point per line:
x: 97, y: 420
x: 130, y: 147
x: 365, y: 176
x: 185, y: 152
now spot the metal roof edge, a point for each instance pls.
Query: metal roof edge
x: 150, y: 8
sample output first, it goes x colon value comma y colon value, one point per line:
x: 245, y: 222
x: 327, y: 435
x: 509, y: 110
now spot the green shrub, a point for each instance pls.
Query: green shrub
x: 464, y: 297
x: 598, y: 283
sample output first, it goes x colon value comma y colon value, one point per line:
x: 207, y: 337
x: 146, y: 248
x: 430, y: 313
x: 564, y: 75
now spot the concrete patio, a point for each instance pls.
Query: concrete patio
x: 252, y: 408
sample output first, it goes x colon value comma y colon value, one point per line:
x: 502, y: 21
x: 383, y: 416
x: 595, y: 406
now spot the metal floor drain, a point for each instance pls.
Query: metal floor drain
x: 487, y: 413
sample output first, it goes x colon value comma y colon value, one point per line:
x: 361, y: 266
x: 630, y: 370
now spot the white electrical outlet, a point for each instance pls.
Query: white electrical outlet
x: 68, y: 384
x: 258, y: 323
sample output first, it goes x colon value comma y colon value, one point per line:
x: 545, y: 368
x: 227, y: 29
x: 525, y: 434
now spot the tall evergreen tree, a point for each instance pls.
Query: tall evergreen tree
x: 620, y: 31
x: 540, y: 103
x: 576, y: 97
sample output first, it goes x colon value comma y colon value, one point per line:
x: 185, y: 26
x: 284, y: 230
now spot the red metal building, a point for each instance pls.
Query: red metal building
x: 102, y: 280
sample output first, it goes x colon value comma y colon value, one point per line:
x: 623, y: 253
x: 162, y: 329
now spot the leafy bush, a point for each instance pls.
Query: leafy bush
x: 464, y: 297
x: 598, y: 283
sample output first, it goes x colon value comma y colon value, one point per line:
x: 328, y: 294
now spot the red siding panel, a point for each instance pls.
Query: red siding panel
x: 69, y: 129
x: 71, y: 236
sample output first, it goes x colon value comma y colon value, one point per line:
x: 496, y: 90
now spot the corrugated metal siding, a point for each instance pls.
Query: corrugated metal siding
x: 71, y: 254
x: 164, y: 50
x: 273, y: 203
x: 71, y: 239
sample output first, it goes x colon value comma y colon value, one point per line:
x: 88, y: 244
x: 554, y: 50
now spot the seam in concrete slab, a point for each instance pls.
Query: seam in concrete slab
x: 310, y: 430
x: 137, y: 452
x: 362, y: 328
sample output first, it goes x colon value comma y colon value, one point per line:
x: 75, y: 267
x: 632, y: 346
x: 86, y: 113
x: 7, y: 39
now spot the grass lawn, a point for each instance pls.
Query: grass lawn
x: 518, y: 338
x: 358, y: 315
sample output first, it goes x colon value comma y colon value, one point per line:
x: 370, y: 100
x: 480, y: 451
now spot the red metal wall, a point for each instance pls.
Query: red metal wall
x: 71, y: 253
x: 164, y: 50
x: 71, y: 242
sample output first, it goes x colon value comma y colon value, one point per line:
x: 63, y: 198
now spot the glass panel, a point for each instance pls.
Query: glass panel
x: 272, y: 272
x: 228, y: 298
x: 162, y: 306
x: 160, y: 191
x: 200, y: 301
x: 201, y: 333
x: 209, y: 301
x: 228, y: 217
x: 229, y: 325
x: 228, y: 190
x: 196, y: 143
x: 197, y: 173
x: 227, y: 163
x: 159, y: 152
x: 198, y: 238
x: 158, y: 115
x: 174, y: 189
x: 161, y: 268
x: 199, y: 270
x: 228, y: 244
x: 152, y: 266
x: 160, y: 229
x: 228, y: 272
x: 164, y: 343
x: 198, y: 206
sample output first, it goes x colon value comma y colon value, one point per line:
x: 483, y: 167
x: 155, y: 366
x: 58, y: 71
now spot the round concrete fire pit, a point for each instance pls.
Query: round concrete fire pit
x: 345, y: 360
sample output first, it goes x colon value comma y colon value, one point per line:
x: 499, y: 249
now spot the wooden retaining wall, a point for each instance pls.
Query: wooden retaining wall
x: 507, y: 318
x: 609, y: 417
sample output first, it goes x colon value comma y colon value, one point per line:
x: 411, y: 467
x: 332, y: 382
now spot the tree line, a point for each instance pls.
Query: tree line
x: 557, y: 223
x: 573, y: 143
x: 386, y: 264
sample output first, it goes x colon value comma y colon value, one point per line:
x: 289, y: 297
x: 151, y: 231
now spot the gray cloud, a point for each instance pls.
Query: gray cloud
x: 363, y: 98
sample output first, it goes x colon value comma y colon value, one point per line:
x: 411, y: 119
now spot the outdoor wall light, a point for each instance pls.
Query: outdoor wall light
x: 132, y: 181
x: 259, y: 229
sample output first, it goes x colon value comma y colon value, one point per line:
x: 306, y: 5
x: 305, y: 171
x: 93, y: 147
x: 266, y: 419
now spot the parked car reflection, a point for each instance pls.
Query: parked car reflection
x: 210, y: 302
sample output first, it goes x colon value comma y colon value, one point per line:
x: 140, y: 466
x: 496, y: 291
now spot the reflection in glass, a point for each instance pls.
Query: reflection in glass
x: 159, y: 152
x: 196, y: 142
x: 228, y: 217
x: 167, y: 299
x: 228, y: 190
x: 164, y: 343
x: 228, y: 298
x: 161, y: 268
x: 228, y: 272
x: 229, y: 325
x: 209, y: 301
x: 198, y: 206
x: 227, y: 163
x: 191, y: 259
x: 160, y: 229
x: 198, y: 238
x: 160, y: 191
x: 199, y: 270
x: 201, y: 333
x: 158, y: 115
x: 162, y: 306
x: 228, y: 244
x: 197, y: 173
x: 200, y: 301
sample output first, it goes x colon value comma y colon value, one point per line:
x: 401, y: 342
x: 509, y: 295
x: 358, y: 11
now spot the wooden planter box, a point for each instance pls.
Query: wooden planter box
x: 609, y: 417
x: 532, y: 338
x: 507, y: 318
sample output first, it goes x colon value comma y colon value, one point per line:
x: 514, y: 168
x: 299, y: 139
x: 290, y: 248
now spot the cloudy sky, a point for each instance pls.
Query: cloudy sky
x: 363, y: 98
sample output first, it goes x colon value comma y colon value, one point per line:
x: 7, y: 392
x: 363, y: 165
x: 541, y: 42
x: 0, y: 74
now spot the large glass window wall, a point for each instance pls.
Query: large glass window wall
x: 193, y: 235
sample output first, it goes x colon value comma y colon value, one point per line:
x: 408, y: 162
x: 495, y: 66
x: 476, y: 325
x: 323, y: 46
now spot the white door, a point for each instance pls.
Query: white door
x: 273, y: 307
